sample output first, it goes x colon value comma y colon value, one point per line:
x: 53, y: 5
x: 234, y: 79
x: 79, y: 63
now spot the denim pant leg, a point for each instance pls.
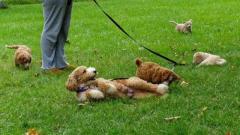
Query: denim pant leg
x: 60, y: 56
x: 54, y: 13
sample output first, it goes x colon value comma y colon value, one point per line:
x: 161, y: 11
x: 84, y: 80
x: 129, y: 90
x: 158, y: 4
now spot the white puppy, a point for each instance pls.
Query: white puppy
x: 202, y: 58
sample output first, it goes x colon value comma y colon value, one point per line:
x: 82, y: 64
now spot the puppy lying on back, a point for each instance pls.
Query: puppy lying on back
x: 185, y: 27
x: 202, y: 58
x: 83, y: 81
x: 154, y: 73
x: 23, y: 56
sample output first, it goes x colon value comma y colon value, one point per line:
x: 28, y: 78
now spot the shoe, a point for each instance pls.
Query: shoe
x: 68, y: 67
x: 53, y: 71
x: 67, y: 42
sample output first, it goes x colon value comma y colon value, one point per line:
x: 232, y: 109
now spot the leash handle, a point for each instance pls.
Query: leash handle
x: 133, y: 39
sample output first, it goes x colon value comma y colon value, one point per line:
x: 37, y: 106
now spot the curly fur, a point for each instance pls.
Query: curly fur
x: 23, y: 56
x: 185, y: 27
x: 154, y: 73
x: 202, y: 58
x: 100, y: 88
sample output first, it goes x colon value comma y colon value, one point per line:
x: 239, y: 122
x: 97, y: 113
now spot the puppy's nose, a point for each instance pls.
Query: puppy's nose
x: 95, y: 71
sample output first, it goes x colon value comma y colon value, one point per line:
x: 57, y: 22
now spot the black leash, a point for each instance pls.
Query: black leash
x: 119, y: 78
x: 135, y: 41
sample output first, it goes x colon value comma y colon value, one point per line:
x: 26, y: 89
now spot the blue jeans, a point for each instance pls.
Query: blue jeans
x: 57, y: 16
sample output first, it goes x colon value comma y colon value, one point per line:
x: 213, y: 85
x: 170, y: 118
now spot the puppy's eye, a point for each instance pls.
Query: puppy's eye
x: 84, y: 71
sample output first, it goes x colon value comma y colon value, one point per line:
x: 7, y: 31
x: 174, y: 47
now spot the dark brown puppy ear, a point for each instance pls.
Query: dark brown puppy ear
x: 71, y: 83
x: 139, y: 62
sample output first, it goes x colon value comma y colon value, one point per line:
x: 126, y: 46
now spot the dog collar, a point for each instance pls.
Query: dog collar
x: 81, y: 89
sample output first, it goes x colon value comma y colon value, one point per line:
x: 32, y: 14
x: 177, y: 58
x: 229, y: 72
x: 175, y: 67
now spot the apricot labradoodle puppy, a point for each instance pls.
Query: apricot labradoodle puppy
x: 23, y: 56
x: 83, y: 81
x: 154, y: 73
x: 185, y: 27
x: 205, y: 59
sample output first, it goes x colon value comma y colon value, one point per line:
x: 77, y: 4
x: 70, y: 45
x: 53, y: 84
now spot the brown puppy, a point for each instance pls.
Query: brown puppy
x: 82, y: 80
x: 154, y: 73
x: 23, y: 56
x: 185, y: 27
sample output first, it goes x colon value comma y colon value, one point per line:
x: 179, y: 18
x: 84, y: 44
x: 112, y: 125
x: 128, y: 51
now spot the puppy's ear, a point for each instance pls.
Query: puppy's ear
x: 76, y: 76
x: 139, y: 62
x: 198, y: 58
x: 71, y: 83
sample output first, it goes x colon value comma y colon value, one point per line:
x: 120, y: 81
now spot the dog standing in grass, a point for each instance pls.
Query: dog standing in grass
x: 23, y: 56
x: 185, y: 27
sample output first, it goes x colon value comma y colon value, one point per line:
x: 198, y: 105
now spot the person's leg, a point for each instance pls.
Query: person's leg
x: 67, y: 19
x: 54, y: 12
x: 60, y: 56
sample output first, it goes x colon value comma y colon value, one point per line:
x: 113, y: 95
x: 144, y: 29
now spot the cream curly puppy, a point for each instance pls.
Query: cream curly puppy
x: 185, y: 27
x: 82, y: 81
x: 202, y: 58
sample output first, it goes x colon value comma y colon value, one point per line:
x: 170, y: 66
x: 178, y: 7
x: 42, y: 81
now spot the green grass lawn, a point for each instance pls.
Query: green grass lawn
x: 32, y: 100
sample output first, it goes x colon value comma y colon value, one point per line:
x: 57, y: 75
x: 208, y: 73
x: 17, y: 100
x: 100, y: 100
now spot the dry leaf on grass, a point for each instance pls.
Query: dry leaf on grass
x: 172, y: 118
x: 204, y: 109
x: 32, y: 131
x: 228, y: 133
x: 184, y: 84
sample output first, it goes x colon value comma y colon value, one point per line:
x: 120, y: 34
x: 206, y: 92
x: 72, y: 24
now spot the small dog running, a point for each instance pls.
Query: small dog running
x: 185, y: 27
x: 23, y: 56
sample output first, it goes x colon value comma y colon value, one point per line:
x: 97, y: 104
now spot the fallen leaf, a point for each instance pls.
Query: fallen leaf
x: 228, y: 133
x: 172, y: 118
x: 184, y: 84
x: 32, y: 131
x: 204, y: 109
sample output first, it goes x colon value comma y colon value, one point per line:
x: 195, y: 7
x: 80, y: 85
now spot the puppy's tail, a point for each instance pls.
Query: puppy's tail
x: 12, y: 46
x: 173, y: 22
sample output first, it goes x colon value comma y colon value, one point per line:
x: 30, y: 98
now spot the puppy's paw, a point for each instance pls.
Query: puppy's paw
x: 112, y: 89
x: 221, y: 62
x: 162, y: 89
x: 82, y: 97
x: 96, y: 94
